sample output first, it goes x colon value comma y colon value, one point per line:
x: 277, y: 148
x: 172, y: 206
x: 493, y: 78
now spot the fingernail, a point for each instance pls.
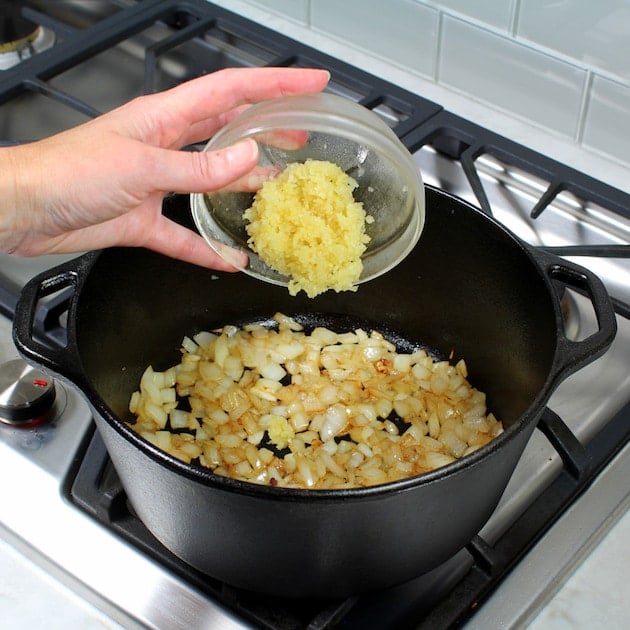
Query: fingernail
x: 234, y: 257
x: 243, y: 151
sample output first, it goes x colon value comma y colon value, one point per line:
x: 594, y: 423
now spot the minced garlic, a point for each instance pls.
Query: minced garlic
x: 306, y: 224
x: 279, y: 430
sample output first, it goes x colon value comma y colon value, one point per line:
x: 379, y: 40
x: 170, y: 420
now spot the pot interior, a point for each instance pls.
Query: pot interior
x: 468, y: 290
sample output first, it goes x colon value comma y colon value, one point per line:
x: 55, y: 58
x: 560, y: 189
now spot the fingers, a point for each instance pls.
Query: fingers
x: 177, y: 241
x: 193, y: 171
x: 204, y: 129
x: 224, y: 90
x: 199, y: 107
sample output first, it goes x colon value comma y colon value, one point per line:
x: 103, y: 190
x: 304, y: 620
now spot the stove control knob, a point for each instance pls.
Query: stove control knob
x: 27, y: 395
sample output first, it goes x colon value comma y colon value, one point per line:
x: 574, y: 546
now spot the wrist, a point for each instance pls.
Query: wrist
x: 14, y: 195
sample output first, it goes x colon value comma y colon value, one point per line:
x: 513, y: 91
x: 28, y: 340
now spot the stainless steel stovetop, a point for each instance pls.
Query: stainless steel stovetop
x: 78, y: 548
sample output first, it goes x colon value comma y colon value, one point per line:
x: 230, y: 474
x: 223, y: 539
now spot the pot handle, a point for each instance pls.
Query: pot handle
x: 572, y: 355
x: 63, y: 360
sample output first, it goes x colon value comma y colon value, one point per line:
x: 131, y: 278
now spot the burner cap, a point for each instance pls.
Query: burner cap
x: 15, y: 52
x: 13, y: 45
x: 27, y: 394
x: 15, y: 30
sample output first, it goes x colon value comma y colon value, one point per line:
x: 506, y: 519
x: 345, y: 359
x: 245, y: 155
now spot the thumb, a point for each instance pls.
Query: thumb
x: 174, y: 240
x: 203, y: 171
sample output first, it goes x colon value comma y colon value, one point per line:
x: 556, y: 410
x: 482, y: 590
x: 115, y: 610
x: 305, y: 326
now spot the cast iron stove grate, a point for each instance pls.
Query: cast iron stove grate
x: 220, y: 38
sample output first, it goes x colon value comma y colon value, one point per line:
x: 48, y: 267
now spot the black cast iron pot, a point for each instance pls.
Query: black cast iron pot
x: 469, y: 288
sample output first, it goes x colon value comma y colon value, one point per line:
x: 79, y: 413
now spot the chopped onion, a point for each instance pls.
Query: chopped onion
x: 272, y: 404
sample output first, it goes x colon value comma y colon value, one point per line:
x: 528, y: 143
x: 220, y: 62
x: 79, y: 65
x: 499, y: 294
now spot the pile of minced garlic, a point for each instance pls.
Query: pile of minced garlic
x: 306, y: 224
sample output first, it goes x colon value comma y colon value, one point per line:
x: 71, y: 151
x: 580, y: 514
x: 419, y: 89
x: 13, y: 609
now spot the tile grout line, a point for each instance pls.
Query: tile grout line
x: 584, y: 103
x: 514, y: 18
x: 438, y: 47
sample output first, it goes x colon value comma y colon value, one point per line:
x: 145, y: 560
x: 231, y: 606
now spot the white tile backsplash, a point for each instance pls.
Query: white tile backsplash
x: 406, y: 34
x: 607, y: 122
x: 294, y: 9
x: 596, y: 34
x: 514, y: 77
x: 564, y: 65
x: 498, y: 13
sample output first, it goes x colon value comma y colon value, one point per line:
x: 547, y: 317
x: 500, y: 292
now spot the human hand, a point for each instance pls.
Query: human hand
x: 101, y: 184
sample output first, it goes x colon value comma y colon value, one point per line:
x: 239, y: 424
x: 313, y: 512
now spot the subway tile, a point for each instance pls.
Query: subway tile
x: 511, y: 76
x: 607, y: 123
x: 497, y: 13
x: 294, y: 9
x: 595, y: 33
x: 404, y: 32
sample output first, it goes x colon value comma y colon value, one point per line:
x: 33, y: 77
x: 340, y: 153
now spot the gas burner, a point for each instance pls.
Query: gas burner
x: 14, y: 52
x: 27, y: 395
x: 19, y: 37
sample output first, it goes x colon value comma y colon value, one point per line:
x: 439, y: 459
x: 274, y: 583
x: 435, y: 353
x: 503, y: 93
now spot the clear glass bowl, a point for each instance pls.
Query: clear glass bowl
x: 321, y: 127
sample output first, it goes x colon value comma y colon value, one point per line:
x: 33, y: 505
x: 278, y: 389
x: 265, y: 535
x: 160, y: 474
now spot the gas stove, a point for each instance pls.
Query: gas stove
x: 105, y: 53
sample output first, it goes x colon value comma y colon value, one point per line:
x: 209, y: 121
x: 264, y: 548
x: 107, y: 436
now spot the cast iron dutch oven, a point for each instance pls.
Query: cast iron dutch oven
x: 469, y: 288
